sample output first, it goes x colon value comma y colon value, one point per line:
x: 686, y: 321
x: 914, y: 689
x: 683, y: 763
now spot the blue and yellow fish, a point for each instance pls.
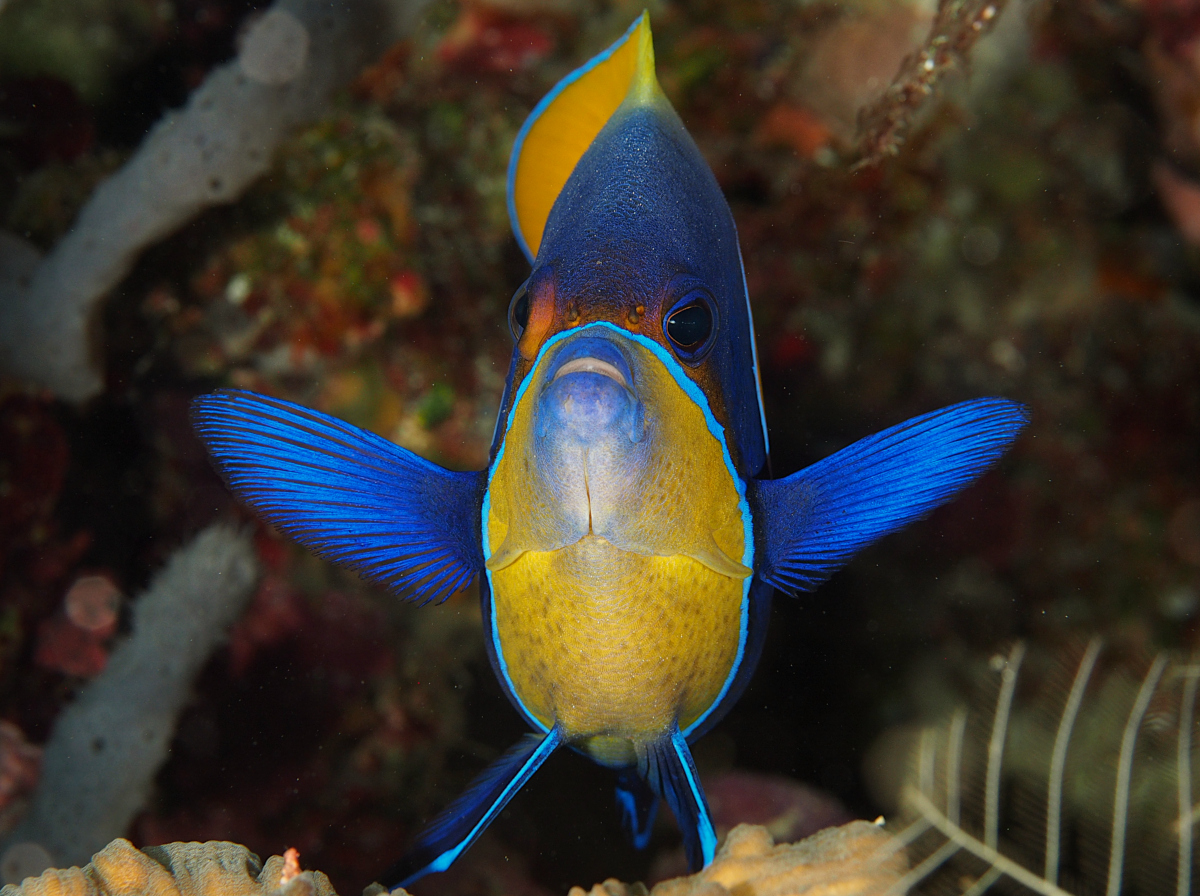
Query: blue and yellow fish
x: 626, y: 548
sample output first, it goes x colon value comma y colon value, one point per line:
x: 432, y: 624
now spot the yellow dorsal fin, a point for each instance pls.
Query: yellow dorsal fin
x: 563, y: 125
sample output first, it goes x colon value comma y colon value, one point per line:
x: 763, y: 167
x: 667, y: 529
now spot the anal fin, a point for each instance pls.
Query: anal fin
x: 638, y: 805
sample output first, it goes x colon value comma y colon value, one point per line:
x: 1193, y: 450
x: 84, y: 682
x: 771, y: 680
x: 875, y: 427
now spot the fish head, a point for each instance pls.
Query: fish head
x: 625, y: 224
x: 606, y: 441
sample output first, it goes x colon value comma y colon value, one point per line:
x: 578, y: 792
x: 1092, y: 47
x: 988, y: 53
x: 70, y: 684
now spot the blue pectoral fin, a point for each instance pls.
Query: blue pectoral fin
x: 466, y: 818
x: 638, y: 805
x: 812, y: 522
x: 349, y: 495
x: 668, y: 768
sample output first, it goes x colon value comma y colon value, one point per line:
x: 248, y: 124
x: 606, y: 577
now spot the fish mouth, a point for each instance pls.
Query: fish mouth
x: 588, y: 364
x: 595, y: 353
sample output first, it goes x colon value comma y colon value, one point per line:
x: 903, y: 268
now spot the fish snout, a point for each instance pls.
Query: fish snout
x: 589, y: 397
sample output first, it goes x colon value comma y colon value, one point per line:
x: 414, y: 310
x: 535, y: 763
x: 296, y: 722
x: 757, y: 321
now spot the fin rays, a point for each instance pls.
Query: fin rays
x: 813, y: 521
x: 638, y: 805
x: 668, y: 768
x: 461, y: 823
x: 349, y: 495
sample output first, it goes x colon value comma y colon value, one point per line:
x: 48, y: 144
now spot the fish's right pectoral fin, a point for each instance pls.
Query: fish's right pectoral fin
x: 460, y: 825
x: 349, y: 495
x: 810, y: 523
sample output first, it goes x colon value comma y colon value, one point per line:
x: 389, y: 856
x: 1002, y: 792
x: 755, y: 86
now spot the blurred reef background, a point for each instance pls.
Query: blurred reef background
x: 935, y: 202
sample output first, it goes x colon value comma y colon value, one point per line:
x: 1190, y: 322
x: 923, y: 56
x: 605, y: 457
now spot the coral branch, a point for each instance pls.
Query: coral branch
x: 107, y: 746
x: 957, y: 26
x: 292, y: 61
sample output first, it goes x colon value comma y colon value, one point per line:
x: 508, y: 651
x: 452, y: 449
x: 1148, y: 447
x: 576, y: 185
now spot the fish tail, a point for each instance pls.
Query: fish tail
x: 667, y: 767
x: 638, y: 805
x: 461, y: 823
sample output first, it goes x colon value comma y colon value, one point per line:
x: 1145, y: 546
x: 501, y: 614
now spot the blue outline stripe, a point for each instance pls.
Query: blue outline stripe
x: 704, y: 825
x: 701, y: 400
x: 533, y: 720
x: 762, y: 411
x: 549, y: 743
x: 537, y: 113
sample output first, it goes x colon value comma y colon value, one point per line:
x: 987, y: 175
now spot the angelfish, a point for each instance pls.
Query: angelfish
x: 626, y: 543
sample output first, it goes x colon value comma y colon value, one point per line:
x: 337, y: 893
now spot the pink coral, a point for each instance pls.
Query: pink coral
x: 92, y: 603
x: 787, y: 809
x: 20, y: 768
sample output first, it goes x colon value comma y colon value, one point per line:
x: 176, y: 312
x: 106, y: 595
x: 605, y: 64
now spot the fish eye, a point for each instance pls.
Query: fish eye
x: 689, y: 325
x: 518, y: 311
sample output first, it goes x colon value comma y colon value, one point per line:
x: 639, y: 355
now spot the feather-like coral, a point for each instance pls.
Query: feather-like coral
x: 1082, y: 783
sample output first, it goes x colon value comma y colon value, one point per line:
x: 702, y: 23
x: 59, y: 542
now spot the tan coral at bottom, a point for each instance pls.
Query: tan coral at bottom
x: 177, y: 869
x: 856, y: 859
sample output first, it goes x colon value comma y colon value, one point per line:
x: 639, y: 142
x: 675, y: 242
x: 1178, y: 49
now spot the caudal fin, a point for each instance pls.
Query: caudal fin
x: 349, y: 495
x: 460, y: 825
x: 668, y: 768
x: 812, y: 522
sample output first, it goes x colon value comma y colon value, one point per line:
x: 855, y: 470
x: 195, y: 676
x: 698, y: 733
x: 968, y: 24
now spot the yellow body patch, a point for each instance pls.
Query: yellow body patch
x: 617, y: 639
x: 611, y: 644
x: 562, y: 131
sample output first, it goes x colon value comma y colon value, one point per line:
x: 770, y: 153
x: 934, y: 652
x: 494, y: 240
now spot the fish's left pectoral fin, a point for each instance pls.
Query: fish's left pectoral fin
x: 460, y: 825
x: 810, y: 523
x: 667, y: 767
x: 347, y: 494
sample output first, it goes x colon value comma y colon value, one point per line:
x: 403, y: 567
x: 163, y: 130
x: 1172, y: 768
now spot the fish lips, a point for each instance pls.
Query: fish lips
x: 590, y: 394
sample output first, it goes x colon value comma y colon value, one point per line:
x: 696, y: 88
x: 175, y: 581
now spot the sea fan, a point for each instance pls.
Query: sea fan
x: 1073, y: 777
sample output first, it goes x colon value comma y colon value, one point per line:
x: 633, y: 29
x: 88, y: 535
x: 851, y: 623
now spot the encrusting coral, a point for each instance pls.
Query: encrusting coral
x: 856, y: 859
x: 215, y: 868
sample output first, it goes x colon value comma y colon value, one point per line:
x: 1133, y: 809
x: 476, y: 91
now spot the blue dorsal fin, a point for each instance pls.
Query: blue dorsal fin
x: 563, y: 125
x: 667, y: 766
x: 638, y: 805
x: 347, y: 494
x: 810, y: 523
x: 461, y: 823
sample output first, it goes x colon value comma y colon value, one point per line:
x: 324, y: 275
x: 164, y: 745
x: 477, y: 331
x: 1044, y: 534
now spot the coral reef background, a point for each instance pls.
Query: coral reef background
x: 936, y: 202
